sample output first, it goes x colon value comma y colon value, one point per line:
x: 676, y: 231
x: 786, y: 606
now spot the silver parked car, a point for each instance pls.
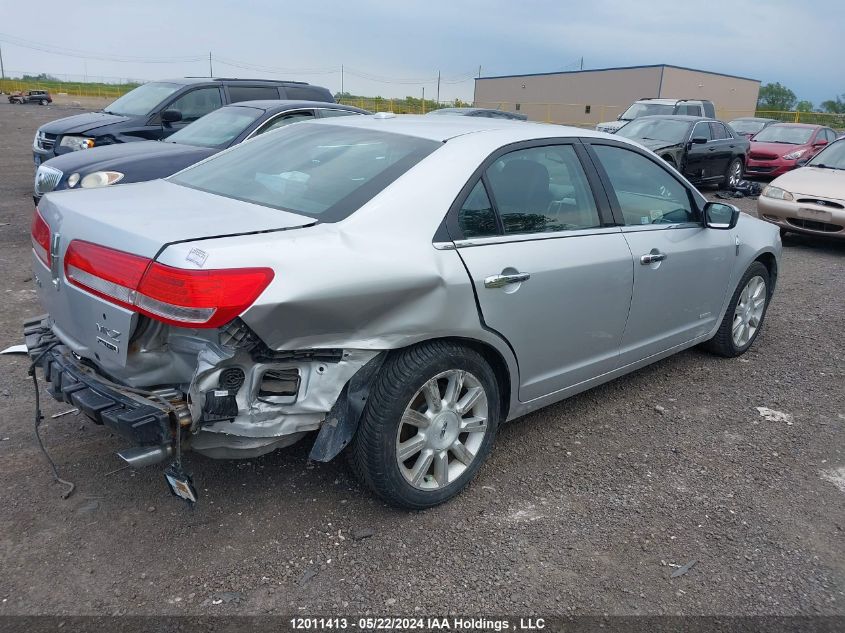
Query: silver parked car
x: 401, y: 285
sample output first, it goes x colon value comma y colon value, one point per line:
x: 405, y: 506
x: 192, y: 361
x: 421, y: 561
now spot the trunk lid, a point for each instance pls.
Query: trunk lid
x: 140, y: 219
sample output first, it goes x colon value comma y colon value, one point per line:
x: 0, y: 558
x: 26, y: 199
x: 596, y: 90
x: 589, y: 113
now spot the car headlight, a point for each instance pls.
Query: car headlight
x: 776, y: 192
x: 798, y: 153
x: 101, y: 179
x: 73, y: 180
x: 76, y: 142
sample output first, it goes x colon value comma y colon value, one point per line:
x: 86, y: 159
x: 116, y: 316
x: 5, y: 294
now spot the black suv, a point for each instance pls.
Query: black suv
x: 155, y: 110
x: 31, y: 96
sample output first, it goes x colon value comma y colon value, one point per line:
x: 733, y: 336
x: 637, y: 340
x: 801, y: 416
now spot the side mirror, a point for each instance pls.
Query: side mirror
x: 820, y: 143
x: 171, y: 116
x: 698, y: 140
x: 718, y: 215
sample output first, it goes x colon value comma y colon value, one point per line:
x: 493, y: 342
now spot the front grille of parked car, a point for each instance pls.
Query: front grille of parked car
x: 45, y: 141
x: 46, y: 179
x: 761, y: 156
x: 824, y: 227
x: 822, y: 203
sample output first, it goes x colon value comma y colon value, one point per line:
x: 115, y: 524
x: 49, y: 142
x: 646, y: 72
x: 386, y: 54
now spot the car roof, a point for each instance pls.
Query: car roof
x: 289, y: 104
x: 444, y: 128
x: 676, y: 117
x: 202, y: 80
x: 806, y: 125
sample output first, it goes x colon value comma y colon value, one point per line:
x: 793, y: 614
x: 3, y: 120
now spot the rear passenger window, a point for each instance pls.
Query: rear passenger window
x: 329, y: 112
x: 647, y: 193
x: 718, y: 131
x: 305, y: 93
x: 476, y: 217
x: 542, y: 189
x: 692, y: 110
x: 252, y: 93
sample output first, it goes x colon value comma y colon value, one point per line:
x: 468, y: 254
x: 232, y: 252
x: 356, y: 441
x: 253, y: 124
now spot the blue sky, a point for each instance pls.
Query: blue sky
x: 394, y: 48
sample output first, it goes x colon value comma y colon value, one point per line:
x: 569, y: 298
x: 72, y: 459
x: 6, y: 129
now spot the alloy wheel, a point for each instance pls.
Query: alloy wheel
x: 442, y: 430
x: 736, y: 174
x: 749, y: 311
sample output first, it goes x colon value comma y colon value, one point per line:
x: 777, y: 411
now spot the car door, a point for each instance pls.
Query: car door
x: 720, y: 150
x: 551, y: 273
x: 696, y: 163
x: 681, y: 268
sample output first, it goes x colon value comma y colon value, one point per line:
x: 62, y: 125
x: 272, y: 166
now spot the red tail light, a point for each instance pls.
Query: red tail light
x: 41, y: 237
x: 193, y: 298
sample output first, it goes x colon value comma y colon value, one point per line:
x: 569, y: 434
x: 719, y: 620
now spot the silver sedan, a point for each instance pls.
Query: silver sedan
x: 400, y: 285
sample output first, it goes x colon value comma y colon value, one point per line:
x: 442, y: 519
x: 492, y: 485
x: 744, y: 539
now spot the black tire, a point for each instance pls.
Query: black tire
x: 44, y: 102
x: 735, y: 164
x: 723, y: 343
x: 373, y: 449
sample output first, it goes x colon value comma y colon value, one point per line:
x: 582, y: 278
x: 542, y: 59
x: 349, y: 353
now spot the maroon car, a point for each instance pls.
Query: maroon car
x: 778, y: 148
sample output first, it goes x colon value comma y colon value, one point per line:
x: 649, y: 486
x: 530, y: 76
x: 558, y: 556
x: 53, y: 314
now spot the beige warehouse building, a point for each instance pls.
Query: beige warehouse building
x: 587, y: 97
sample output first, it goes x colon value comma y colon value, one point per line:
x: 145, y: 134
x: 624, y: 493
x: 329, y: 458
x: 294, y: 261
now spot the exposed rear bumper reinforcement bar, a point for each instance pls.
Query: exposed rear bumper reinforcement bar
x: 138, y: 419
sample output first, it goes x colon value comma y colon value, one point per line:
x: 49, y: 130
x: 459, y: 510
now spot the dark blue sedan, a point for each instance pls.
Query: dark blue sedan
x: 148, y: 160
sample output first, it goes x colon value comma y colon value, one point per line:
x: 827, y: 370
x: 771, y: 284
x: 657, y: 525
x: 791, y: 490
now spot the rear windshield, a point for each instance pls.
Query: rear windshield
x: 646, y: 109
x: 785, y: 134
x: 218, y: 128
x: 321, y: 171
x: 747, y: 126
x: 143, y: 99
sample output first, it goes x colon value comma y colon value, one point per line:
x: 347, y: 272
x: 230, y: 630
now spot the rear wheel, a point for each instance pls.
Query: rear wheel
x: 44, y: 102
x: 734, y: 173
x: 744, y: 317
x: 428, y: 425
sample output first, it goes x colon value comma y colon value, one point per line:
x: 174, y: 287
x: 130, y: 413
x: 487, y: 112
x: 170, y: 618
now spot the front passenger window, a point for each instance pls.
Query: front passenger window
x: 197, y: 103
x: 647, y: 193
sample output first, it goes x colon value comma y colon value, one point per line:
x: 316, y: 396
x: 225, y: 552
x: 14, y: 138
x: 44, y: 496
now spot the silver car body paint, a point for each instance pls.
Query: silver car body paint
x: 375, y: 281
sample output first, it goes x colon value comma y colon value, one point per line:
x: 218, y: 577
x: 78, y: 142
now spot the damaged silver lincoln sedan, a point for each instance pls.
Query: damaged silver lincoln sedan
x: 399, y: 285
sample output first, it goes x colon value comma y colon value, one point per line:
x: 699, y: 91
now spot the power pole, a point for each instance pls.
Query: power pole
x: 438, y: 86
x: 2, y: 70
x: 210, y: 69
x: 341, y: 79
x: 582, y: 63
x: 423, y: 101
x: 479, y: 72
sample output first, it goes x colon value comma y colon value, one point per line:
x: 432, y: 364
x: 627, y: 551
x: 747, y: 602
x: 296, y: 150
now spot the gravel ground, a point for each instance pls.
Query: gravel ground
x: 586, y: 507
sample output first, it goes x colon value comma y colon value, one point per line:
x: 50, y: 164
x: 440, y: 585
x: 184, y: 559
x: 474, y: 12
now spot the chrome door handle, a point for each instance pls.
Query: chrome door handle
x: 652, y: 258
x: 499, y: 281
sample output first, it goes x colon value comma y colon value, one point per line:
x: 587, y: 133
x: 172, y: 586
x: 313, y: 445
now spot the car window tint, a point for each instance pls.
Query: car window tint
x: 542, y: 189
x: 692, y: 110
x: 322, y: 171
x: 286, y: 119
x: 330, y: 112
x: 252, y: 93
x: 718, y: 131
x: 647, y: 193
x: 476, y: 217
x: 701, y: 130
x: 197, y: 103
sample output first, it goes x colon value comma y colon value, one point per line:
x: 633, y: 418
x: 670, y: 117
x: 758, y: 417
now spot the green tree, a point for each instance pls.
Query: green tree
x: 836, y: 106
x: 775, y: 97
x: 804, y: 106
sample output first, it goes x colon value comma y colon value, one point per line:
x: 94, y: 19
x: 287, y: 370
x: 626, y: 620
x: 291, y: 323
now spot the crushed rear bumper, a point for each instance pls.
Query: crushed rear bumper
x: 136, y: 418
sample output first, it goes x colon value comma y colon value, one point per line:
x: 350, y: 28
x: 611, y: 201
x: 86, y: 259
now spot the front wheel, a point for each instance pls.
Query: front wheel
x: 428, y: 425
x: 734, y: 174
x: 744, y: 316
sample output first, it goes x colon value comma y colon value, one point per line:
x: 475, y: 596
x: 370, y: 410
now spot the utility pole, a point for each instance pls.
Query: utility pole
x: 479, y: 72
x: 438, y: 86
x: 582, y: 62
x: 423, y: 101
x: 2, y: 70
x: 210, y: 69
x: 341, y: 79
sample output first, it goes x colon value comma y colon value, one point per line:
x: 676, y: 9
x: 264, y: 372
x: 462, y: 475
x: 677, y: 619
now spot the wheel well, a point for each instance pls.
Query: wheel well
x: 768, y: 260
x: 668, y: 159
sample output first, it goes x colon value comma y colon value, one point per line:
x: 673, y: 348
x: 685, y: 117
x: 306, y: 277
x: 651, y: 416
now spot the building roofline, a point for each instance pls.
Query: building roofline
x: 597, y: 70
